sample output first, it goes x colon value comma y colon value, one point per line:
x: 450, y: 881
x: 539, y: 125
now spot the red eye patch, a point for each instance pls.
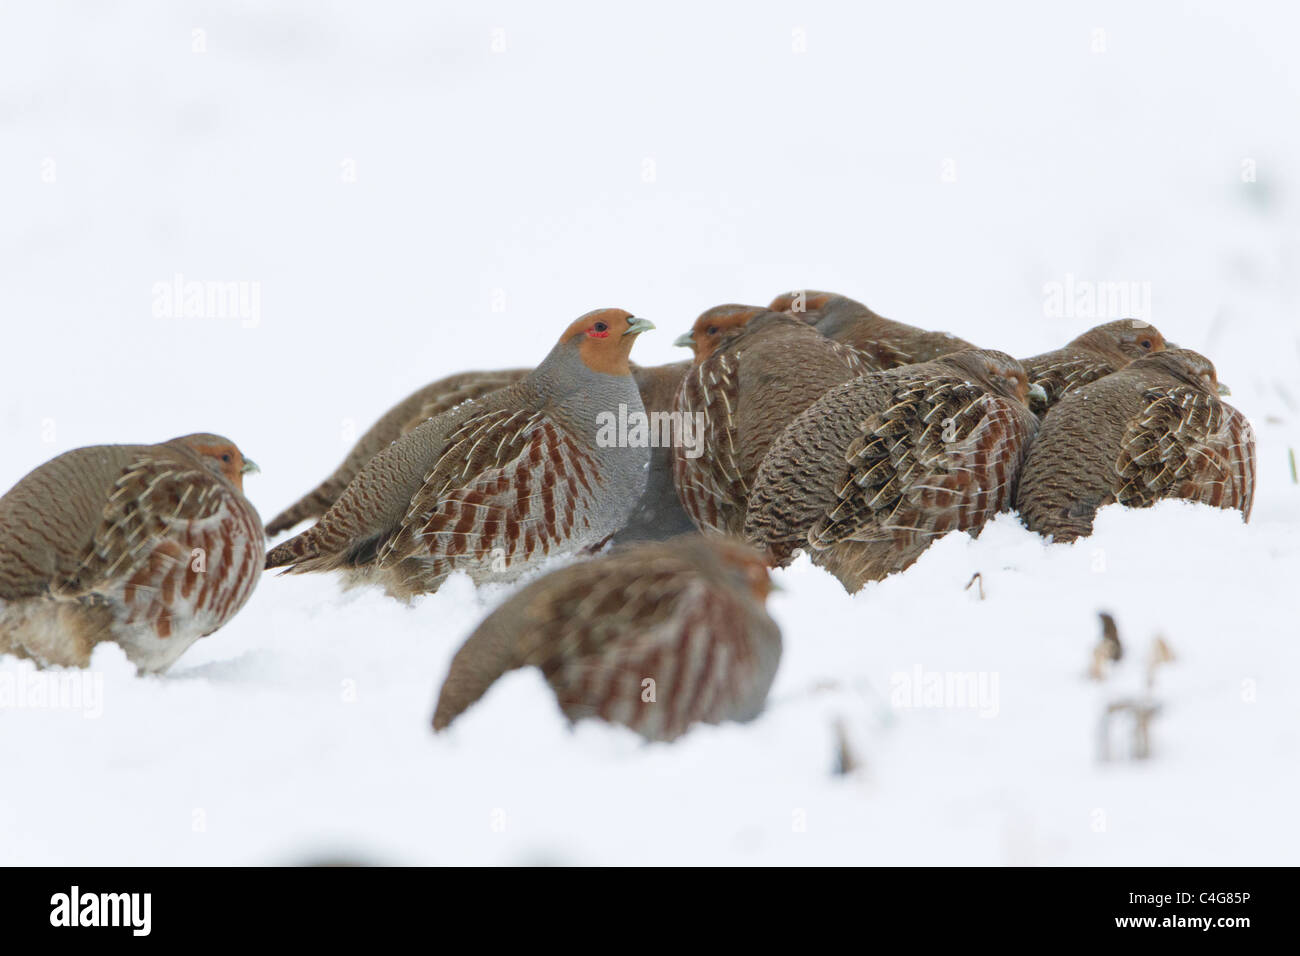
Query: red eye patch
x: 597, y: 335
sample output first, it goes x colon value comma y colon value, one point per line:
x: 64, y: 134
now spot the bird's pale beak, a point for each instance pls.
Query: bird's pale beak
x: 250, y: 467
x: 686, y: 340
x: 1037, y: 391
x: 637, y: 326
x: 1224, y: 390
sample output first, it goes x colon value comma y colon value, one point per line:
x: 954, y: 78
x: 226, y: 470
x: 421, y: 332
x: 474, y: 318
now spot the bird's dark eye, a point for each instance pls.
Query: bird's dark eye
x: 1146, y: 344
x: 226, y: 458
x: 601, y: 327
x: 713, y: 330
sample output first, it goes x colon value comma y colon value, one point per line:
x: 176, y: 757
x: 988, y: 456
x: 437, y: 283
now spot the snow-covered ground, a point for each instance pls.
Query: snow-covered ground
x: 416, y: 191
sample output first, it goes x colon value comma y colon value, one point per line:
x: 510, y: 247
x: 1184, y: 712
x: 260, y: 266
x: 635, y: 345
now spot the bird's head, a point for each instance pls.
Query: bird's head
x: 604, y: 339
x: 997, y: 372
x: 1187, y: 366
x: 713, y: 326
x: 1130, y: 338
x: 220, y: 455
x: 799, y: 302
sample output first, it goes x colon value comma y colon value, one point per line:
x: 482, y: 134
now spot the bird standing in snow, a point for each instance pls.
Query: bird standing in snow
x: 148, y: 546
x: 497, y: 484
x: 1155, y: 429
x: 656, y: 637
x: 658, y: 514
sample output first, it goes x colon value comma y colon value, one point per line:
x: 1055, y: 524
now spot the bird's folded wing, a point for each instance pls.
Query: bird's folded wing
x: 154, y: 498
x: 858, y: 363
x: 509, y: 484
x: 883, y: 354
x: 943, y: 457
x: 708, y: 482
x: 459, y: 393
x: 1062, y: 375
x: 688, y: 639
x: 1188, y: 444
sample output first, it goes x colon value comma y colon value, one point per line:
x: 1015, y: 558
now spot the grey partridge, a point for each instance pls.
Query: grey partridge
x: 496, y: 485
x: 428, y: 402
x: 147, y: 546
x: 655, y: 636
x: 885, y: 343
x: 658, y: 514
x: 878, y: 468
x: 1154, y: 429
x: 754, y: 371
x: 1097, y: 352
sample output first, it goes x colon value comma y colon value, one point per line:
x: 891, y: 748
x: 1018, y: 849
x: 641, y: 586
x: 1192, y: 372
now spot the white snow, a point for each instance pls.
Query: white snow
x: 663, y: 161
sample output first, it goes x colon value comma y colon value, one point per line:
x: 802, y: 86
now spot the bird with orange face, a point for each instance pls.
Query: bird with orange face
x: 1090, y: 356
x: 497, y: 484
x: 656, y: 637
x: 754, y: 370
x: 147, y: 546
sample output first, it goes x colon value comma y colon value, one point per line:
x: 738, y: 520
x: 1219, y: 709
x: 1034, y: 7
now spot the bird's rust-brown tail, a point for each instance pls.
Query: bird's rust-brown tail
x: 297, y: 549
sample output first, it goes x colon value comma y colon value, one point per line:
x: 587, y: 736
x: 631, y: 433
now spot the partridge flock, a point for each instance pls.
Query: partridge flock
x: 811, y: 425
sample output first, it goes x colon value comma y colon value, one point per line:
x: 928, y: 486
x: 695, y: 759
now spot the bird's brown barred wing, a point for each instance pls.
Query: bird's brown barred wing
x: 1062, y: 372
x: 1188, y: 444
x: 858, y: 363
x: 174, y: 543
x: 710, y: 484
x: 577, y: 612
x: 943, y: 457
x: 462, y: 389
x: 697, y: 649
x: 429, y: 402
x: 599, y: 630
x: 153, y: 497
x: 49, y: 519
x: 510, y: 485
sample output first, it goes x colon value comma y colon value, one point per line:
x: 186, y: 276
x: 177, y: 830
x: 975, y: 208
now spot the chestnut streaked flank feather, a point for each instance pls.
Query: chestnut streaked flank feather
x: 658, y: 514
